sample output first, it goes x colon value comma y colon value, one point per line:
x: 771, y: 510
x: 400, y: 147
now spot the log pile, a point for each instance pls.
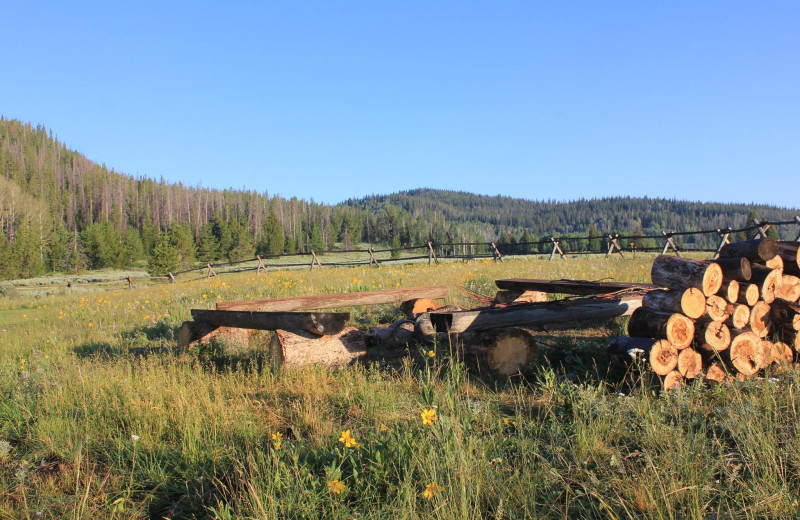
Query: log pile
x: 730, y: 317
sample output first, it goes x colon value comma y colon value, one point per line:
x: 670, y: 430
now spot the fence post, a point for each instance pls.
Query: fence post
x: 496, y: 252
x: 614, y: 244
x: 372, y: 260
x: 130, y: 282
x: 556, y: 249
x: 431, y: 254
x: 260, y: 265
x: 762, y: 229
x: 724, y: 234
x: 171, y: 277
x: 210, y: 272
x: 314, y: 259
x: 669, y: 244
x: 797, y: 219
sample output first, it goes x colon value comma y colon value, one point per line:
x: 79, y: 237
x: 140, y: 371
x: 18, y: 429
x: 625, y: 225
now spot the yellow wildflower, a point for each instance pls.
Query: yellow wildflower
x: 277, y: 440
x: 383, y: 428
x: 431, y: 490
x: 337, y: 487
x: 431, y: 353
x: 428, y: 416
x: 348, y: 440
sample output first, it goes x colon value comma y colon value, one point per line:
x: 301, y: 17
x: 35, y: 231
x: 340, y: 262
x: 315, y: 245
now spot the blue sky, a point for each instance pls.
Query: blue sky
x: 331, y: 100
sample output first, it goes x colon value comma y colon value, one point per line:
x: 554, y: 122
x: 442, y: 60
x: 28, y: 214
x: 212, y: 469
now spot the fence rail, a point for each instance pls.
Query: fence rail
x: 614, y: 244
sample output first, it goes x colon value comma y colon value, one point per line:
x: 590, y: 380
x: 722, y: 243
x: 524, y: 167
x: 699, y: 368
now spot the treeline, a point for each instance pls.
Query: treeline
x: 60, y: 211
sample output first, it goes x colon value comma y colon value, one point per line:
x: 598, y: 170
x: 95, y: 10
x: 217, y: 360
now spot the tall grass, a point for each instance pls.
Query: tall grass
x: 101, y: 418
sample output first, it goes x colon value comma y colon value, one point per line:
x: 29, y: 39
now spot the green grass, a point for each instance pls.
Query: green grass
x: 566, y: 440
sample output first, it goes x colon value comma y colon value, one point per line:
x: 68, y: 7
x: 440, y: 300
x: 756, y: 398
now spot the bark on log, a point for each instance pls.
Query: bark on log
x: 690, y: 302
x: 735, y: 268
x: 318, y: 323
x: 511, y: 296
x: 193, y: 333
x: 397, y: 335
x: 785, y: 314
x: 533, y: 314
x: 739, y: 316
x: 576, y: 287
x: 760, y: 319
x: 788, y: 252
x: 290, y: 349
x: 690, y: 363
x: 756, y: 249
x: 729, y: 291
x: 715, y: 334
x: 418, y: 306
x: 624, y: 350
x: 768, y: 280
x: 683, y: 273
x: 716, y: 308
x: 745, y: 353
x: 328, y: 301
x: 424, y: 331
x: 676, y: 328
x: 748, y: 294
x: 782, y: 354
x: 672, y: 381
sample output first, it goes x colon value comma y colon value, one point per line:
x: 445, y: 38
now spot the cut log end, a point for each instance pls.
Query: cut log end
x: 663, y: 357
x: 515, y: 296
x: 680, y: 331
x: 716, y: 335
x: 510, y: 351
x: 418, y: 306
x: 760, y: 319
x: 745, y: 353
x: 673, y: 381
x: 729, y: 291
x: 717, y: 308
x: 715, y: 373
x: 690, y: 363
x: 712, y: 279
x: 293, y: 349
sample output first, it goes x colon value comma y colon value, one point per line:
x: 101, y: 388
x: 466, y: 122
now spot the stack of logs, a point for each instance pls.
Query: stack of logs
x: 733, y: 316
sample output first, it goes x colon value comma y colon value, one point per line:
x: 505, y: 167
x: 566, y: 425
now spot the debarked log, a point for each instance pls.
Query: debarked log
x: 319, y: 323
x: 533, y: 314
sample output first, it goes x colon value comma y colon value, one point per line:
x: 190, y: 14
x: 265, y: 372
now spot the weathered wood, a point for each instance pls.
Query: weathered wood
x: 507, y: 351
x: 767, y: 280
x: 748, y: 294
x: 760, y: 319
x: 684, y: 273
x: 328, y: 301
x: 320, y: 323
x: 418, y: 306
x: 424, y: 331
x: 576, y: 287
x: 533, y: 314
x: 193, y: 333
x: 744, y: 354
x: 735, y: 268
x: 729, y: 291
x: 756, y: 249
x: 510, y: 296
x: 397, y: 335
x: 690, y: 302
x: 647, y: 323
x: 294, y: 349
x: 739, y: 316
x: 690, y: 363
x: 672, y: 381
x: 716, y: 308
x: 715, y: 334
x: 791, y: 261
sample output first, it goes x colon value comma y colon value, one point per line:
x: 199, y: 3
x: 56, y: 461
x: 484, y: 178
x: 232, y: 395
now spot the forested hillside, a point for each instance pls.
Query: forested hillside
x: 60, y: 211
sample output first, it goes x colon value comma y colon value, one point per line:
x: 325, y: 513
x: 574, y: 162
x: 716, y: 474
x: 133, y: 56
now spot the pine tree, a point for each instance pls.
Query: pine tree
x: 207, y: 246
x: 272, y: 239
x: 164, y: 258
x: 26, y: 256
x: 6, y: 268
x: 182, y: 240
x: 316, y: 243
x: 242, y: 247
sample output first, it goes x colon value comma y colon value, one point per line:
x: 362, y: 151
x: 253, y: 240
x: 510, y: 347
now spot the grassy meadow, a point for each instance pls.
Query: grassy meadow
x: 100, y: 417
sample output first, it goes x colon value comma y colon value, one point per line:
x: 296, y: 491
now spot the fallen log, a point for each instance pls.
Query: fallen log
x: 506, y: 352
x: 328, y: 301
x: 788, y: 252
x: 319, y: 323
x: 690, y: 302
x: 575, y: 287
x: 683, y: 273
x: 300, y: 348
x: 756, y: 249
x: 690, y: 363
x: 533, y: 314
x: 418, y: 306
x: 397, y: 335
x: 676, y: 328
x: 744, y: 354
x: 760, y: 319
x: 192, y: 333
x: 729, y: 291
x: 735, y: 268
x: 511, y: 296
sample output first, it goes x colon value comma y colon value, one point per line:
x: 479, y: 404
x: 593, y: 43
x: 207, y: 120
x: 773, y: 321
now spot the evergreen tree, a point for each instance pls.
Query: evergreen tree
x: 132, y: 248
x: 182, y: 240
x: 164, y: 257
x: 316, y: 243
x: 26, y: 253
x: 272, y: 239
x: 291, y: 245
x: 222, y: 232
x: 57, y: 250
x: 242, y: 247
x: 76, y: 258
x: 595, y: 240
x: 207, y: 247
x: 6, y: 268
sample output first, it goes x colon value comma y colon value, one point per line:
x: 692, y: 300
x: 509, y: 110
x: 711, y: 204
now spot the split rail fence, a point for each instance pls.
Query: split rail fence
x: 612, y: 244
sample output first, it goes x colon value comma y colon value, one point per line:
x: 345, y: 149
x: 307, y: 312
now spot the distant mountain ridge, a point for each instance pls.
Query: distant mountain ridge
x: 61, y: 211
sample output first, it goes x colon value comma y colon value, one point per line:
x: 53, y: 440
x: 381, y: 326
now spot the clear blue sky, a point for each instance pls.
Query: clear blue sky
x: 331, y: 100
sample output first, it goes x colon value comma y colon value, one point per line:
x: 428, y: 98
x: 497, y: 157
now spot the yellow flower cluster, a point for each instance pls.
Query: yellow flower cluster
x: 277, y: 440
x: 428, y: 416
x: 431, y: 490
x: 337, y: 487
